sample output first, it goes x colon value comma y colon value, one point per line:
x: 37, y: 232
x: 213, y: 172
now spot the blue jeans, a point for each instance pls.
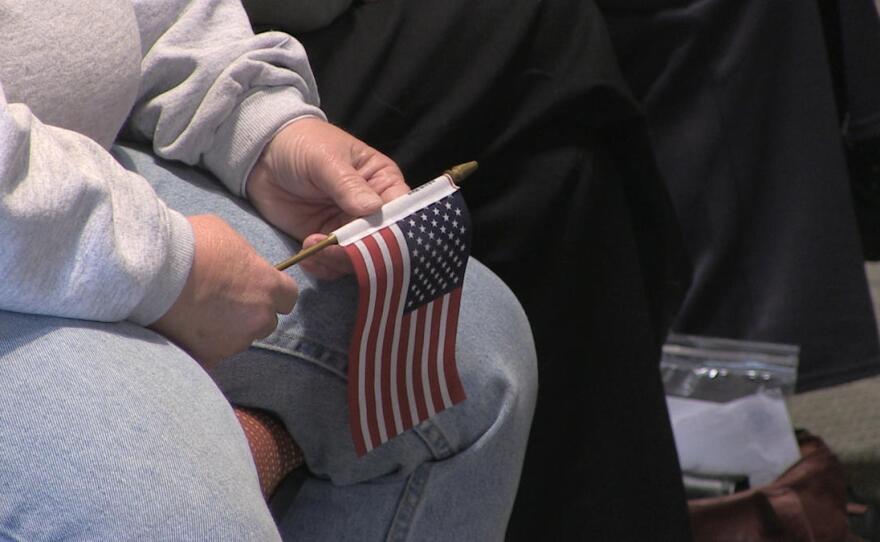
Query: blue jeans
x: 110, y: 432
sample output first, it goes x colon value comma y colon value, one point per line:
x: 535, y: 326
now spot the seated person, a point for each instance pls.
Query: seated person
x: 138, y: 299
x: 568, y: 209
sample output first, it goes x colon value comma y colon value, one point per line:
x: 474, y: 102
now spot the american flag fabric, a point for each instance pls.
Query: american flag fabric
x: 410, y: 260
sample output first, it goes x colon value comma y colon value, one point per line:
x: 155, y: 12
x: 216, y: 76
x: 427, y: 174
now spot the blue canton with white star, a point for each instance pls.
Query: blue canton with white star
x: 439, y: 240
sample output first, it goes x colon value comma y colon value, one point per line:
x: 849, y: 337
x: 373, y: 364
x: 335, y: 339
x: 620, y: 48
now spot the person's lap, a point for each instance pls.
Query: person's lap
x: 299, y: 373
x: 318, y: 329
x: 569, y: 211
x: 141, y: 388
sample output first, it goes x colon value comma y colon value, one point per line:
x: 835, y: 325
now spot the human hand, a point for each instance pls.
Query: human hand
x: 231, y: 298
x: 313, y: 178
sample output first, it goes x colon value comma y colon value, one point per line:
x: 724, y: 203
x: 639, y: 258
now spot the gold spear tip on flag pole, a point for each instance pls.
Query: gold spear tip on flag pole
x: 461, y: 171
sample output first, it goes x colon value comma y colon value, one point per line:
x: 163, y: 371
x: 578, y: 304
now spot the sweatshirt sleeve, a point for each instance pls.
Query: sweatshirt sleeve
x: 82, y: 237
x: 213, y: 93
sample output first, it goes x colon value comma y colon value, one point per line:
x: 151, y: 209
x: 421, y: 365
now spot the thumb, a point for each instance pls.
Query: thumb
x: 349, y: 190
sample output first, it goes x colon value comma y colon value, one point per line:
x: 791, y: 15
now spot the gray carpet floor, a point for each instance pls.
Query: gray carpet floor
x: 847, y: 417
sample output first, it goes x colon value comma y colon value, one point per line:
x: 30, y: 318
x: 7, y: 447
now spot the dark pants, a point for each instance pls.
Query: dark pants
x: 852, y: 33
x: 568, y: 210
x: 742, y: 114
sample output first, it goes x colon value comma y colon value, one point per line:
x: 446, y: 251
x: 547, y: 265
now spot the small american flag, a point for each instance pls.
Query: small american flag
x: 410, y: 260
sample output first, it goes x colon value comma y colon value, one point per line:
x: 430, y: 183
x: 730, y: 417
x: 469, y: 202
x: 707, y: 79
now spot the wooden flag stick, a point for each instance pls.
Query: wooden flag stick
x: 305, y: 253
x: 456, y: 173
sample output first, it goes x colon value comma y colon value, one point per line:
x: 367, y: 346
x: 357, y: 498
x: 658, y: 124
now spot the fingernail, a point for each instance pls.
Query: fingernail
x: 369, y: 201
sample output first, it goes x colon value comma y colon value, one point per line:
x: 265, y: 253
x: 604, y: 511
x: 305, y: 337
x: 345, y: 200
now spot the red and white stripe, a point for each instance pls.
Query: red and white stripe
x: 402, y: 366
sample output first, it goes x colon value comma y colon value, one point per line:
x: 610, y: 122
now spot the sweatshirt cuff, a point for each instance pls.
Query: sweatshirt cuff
x: 172, y: 276
x: 241, y: 138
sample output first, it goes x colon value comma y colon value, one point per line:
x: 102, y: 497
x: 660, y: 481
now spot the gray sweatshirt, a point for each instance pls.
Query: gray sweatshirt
x: 80, y: 236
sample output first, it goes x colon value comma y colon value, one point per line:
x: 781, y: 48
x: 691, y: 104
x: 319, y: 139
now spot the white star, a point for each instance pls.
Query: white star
x: 436, y: 211
x: 455, y: 223
x: 457, y: 211
x: 424, y: 216
x: 412, y: 223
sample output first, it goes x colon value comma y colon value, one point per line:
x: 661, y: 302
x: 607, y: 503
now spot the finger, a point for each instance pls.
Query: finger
x: 286, y: 294
x: 389, y: 185
x: 395, y: 191
x: 377, y: 164
x: 328, y: 264
x: 217, y: 352
x: 349, y: 190
x: 321, y: 270
x: 384, y: 176
x: 268, y: 328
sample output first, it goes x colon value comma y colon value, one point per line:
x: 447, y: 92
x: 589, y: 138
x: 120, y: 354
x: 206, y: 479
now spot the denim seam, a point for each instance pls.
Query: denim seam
x: 409, y: 501
x: 307, y: 350
x: 435, y: 439
x: 296, y: 338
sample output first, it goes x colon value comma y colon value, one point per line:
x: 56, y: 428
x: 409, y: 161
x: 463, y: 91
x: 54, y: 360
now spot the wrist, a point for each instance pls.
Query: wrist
x: 171, y: 279
x: 278, y: 148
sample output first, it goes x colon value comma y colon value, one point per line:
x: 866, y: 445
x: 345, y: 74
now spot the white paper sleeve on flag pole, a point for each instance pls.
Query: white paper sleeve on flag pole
x: 393, y: 211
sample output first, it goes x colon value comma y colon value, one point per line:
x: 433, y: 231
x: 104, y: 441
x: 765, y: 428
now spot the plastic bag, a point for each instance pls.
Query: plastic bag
x: 721, y: 370
x: 727, y: 408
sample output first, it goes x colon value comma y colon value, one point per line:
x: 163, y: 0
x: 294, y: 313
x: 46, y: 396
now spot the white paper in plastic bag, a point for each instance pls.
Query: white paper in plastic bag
x: 750, y: 436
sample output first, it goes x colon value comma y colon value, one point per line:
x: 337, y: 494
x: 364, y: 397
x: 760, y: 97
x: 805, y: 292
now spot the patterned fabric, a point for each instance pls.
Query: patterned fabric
x: 274, y: 450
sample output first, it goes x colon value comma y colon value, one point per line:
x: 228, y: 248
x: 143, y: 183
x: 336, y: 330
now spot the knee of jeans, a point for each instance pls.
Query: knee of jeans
x: 498, y: 368
x: 496, y: 360
x: 495, y: 356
